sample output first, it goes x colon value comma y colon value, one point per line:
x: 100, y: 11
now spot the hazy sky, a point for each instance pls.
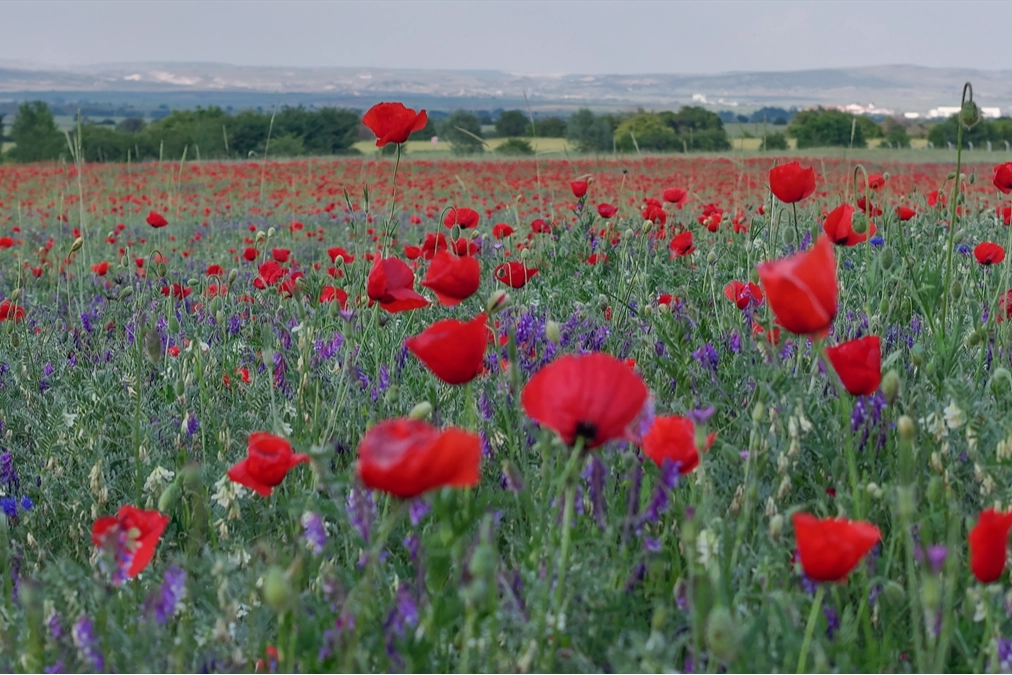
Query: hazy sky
x: 553, y: 36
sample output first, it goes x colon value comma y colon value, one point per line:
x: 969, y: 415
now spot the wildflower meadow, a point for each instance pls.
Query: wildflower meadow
x: 625, y: 414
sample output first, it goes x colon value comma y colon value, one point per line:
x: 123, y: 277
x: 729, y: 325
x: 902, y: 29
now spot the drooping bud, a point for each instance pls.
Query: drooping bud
x: 170, y: 495
x: 496, y: 302
x: 906, y: 428
x: 891, y: 386
x: 76, y: 246
x: 278, y: 593
x: 722, y: 635
x: 552, y: 331
x: 421, y: 411
x: 969, y: 115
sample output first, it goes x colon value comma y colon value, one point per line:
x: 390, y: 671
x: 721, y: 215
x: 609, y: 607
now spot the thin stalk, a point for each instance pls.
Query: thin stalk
x: 952, y: 220
x: 813, y: 617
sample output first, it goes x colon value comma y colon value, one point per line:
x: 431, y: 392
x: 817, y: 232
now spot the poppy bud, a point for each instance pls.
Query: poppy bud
x: 215, y: 306
x: 15, y: 295
x: 271, y: 232
x: 894, y: 592
x: 232, y: 274
x: 974, y: 339
x: 957, y: 290
x: 969, y: 115
x: 722, y: 635
x: 917, y: 355
x: 421, y: 411
x: 173, y: 323
x: 483, y: 561
x: 525, y: 254
x: 883, y: 305
x: 788, y: 236
x: 711, y: 258
x: 190, y: 477
x: 906, y: 502
x: 391, y: 395
x: 859, y: 223
x: 180, y: 388
x: 277, y: 589
x: 76, y: 246
x: 267, y: 356
x: 552, y: 331
x: 220, y: 316
x: 886, y: 258
x: 936, y: 490
x: 170, y: 495
x: 15, y: 340
x: 885, y: 176
x: 153, y: 345
x: 758, y: 412
x: 776, y: 527
x: 496, y: 302
x: 455, y: 232
x: 260, y: 237
x: 873, y: 490
x: 1001, y: 380
x: 891, y: 386
x: 126, y: 293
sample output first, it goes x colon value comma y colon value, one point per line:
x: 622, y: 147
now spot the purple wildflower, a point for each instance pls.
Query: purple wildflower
x: 86, y: 642
x: 164, y: 604
x: 315, y: 532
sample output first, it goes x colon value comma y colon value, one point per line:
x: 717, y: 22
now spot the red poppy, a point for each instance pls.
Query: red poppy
x: 711, y: 217
x: 579, y: 188
x: 501, y: 230
x: 539, y: 226
x: 790, y: 183
x: 10, y: 311
x: 100, y: 268
x: 653, y: 211
x: 839, y: 227
x: 988, y: 541
x: 268, y: 460
x: 407, y: 458
x: 453, y: 350
x: 393, y: 122
x: 674, y: 438
x: 935, y: 197
x: 338, y: 252
x: 452, y: 279
x: 876, y: 181
x: 596, y: 258
x: 330, y: 294
x: 280, y: 254
x: 868, y: 208
x: 156, y: 220
x: 6, y: 242
x: 1005, y: 213
x: 606, y: 210
x: 905, y: 213
x: 270, y: 273
x: 741, y: 293
x: 859, y: 364
x: 133, y: 535
x: 514, y: 274
x: 681, y: 245
x: 250, y: 254
x: 989, y: 253
x: 462, y: 216
x: 676, y: 196
x: 392, y: 284
x: 594, y: 396
x: 830, y: 548
x: 773, y: 336
x: 1003, y: 177
x: 177, y: 291
x: 433, y: 244
x: 215, y: 271
x: 802, y: 289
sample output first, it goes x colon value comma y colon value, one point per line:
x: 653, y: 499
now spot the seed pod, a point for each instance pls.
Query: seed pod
x: 278, y: 593
x: 421, y: 411
x: 170, y: 495
x: 891, y: 386
x: 552, y: 332
x: 886, y: 258
x: 969, y: 114
x: 496, y: 302
x: 722, y: 635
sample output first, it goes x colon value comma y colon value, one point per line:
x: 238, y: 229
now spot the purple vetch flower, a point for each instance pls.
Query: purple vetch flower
x: 314, y: 531
x: 832, y: 621
x: 402, y: 616
x: 361, y: 510
x: 485, y: 404
x: 595, y: 474
x: 86, y: 642
x: 734, y: 343
x: 707, y: 356
x: 55, y: 626
x: 8, y: 476
x: 659, y: 500
x: 417, y: 511
x: 192, y: 424
x: 9, y: 505
x: 167, y: 600
x: 701, y: 416
x: 1004, y: 649
x: 936, y: 557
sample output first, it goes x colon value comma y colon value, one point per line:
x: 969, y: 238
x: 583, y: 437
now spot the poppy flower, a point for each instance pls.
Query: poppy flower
x: 250, y: 254
x: 268, y: 460
x: 156, y: 220
x: 936, y: 197
x: 674, y: 438
x: 453, y: 350
x: 392, y: 284
x: 501, y: 230
x: 830, y: 548
x: 452, y: 279
x: 801, y: 289
x: 280, y: 254
x: 393, y: 122
x: 330, y: 294
x: 681, y: 245
x: 676, y: 196
x: 859, y: 364
x: 514, y: 274
x: 741, y: 294
x: 1005, y: 213
x: 133, y: 535
x: 100, y: 268
x: 868, y: 208
x: 988, y: 253
x: 579, y: 188
x: 215, y: 271
x: 905, y: 213
x: 606, y: 210
x: 988, y: 540
x: 791, y: 183
x: 1003, y: 177
x: 338, y: 252
x: 653, y: 211
x: 462, y: 216
x: 6, y: 242
x: 407, y: 458
x: 539, y: 226
x: 876, y: 181
x: 177, y: 291
x: 839, y: 227
x: 594, y: 397
x: 11, y: 312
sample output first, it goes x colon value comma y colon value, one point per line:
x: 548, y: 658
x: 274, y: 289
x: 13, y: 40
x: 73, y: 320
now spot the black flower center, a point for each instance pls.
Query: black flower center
x: 588, y: 430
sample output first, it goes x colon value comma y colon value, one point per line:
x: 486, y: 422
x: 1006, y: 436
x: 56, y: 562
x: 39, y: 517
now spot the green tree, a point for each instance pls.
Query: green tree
x: 697, y: 129
x: 645, y: 132
x: 512, y: 123
x: 515, y: 147
x: 774, y: 141
x: 550, y: 127
x: 328, y: 131
x: 821, y: 128
x: 947, y: 132
x: 131, y: 125
x: 868, y: 127
x: 589, y: 132
x: 463, y: 131
x: 35, y: 135
x: 2, y: 137
x: 895, y: 134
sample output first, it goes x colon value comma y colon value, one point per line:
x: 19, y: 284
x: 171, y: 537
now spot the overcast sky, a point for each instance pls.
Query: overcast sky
x: 543, y: 37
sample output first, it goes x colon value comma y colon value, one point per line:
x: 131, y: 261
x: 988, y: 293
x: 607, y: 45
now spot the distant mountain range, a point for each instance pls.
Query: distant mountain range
x: 900, y: 88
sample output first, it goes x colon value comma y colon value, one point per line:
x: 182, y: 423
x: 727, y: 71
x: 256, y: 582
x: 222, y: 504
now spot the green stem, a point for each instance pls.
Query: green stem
x: 952, y: 220
x: 813, y: 617
x: 569, y: 488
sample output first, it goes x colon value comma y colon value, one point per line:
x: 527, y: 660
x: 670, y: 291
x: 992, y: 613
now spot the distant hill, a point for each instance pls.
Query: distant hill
x: 903, y: 88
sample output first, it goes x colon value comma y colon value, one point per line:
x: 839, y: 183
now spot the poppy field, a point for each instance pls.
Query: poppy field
x: 630, y: 414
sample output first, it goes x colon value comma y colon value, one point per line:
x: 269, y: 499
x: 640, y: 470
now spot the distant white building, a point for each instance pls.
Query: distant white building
x: 992, y: 113
x: 912, y: 115
x: 699, y: 98
x: 942, y: 111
